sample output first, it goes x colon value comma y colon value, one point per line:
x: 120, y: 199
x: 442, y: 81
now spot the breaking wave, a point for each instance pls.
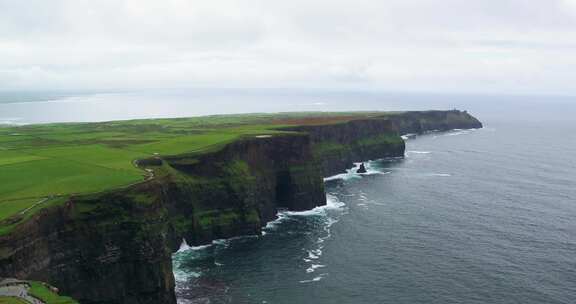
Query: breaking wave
x: 419, y: 152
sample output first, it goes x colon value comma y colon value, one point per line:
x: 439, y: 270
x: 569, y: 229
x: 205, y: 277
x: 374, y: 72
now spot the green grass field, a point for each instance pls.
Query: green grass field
x: 11, y: 300
x: 40, y: 291
x: 39, y: 163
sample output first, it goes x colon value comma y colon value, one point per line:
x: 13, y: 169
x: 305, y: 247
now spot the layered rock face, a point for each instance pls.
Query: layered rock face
x: 116, y: 247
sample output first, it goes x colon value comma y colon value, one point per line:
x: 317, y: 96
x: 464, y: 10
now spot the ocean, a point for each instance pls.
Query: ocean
x: 467, y: 216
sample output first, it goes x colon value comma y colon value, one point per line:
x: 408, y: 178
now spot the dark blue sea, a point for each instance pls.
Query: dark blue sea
x: 468, y: 216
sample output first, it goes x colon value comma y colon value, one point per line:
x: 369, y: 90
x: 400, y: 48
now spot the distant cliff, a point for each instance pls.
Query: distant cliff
x: 338, y: 146
x: 116, y: 247
x: 418, y: 122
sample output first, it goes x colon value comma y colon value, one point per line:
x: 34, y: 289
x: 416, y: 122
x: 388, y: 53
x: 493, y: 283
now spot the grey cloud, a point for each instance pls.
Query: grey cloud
x: 398, y: 44
x: 20, y: 19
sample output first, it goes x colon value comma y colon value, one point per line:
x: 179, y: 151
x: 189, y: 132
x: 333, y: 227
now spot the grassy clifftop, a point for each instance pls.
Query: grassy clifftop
x: 42, y: 165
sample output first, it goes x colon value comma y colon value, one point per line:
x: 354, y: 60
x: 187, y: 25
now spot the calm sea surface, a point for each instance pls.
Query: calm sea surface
x: 480, y: 216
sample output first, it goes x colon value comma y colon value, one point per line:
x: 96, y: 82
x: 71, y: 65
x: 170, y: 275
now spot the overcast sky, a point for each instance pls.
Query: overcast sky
x: 496, y: 46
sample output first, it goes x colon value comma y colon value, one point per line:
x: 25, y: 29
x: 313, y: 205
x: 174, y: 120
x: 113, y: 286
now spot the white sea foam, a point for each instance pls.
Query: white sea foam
x: 441, y: 174
x: 183, y: 276
x: 219, y: 242
x: 342, y: 176
x: 331, y: 221
x: 179, y: 274
x: 313, y: 267
x: 408, y: 136
x: 201, y: 247
x: 312, y: 255
x: 456, y: 133
x: 280, y: 217
x: 332, y: 203
x: 350, y: 174
x: 460, y: 132
x: 419, y: 152
x: 185, y: 247
x: 316, y: 279
x: 371, y: 172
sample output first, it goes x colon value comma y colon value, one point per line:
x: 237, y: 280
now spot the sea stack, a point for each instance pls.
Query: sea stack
x: 362, y: 169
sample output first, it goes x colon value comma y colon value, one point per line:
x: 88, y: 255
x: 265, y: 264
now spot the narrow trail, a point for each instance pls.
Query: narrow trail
x: 42, y: 201
x: 20, y: 291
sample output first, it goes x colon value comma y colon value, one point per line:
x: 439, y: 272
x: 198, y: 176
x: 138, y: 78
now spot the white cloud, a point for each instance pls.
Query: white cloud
x: 450, y: 45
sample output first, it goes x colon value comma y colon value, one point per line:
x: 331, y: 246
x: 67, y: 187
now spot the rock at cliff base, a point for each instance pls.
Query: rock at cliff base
x: 362, y: 169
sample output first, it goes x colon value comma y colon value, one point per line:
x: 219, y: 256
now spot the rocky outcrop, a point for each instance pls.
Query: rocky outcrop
x: 116, y: 247
x: 361, y: 169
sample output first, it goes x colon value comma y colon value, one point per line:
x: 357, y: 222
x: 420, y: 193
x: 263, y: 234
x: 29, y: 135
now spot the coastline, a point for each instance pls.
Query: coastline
x: 250, y: 179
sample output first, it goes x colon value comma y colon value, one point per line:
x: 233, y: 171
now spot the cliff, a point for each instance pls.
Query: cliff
x: 418, y: 122
x: 116, y: 246
x: 338, y: 146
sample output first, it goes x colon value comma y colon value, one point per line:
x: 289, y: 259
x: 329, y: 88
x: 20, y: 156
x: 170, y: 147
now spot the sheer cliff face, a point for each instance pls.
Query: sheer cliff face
x: 116, y: 247
x: 107, y: 248
x: 418, y: 122
x: 338, y: 146
x: 240, y: 188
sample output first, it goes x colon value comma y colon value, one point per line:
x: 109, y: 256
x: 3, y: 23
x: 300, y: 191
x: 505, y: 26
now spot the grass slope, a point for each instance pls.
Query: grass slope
x: 40, y: 291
